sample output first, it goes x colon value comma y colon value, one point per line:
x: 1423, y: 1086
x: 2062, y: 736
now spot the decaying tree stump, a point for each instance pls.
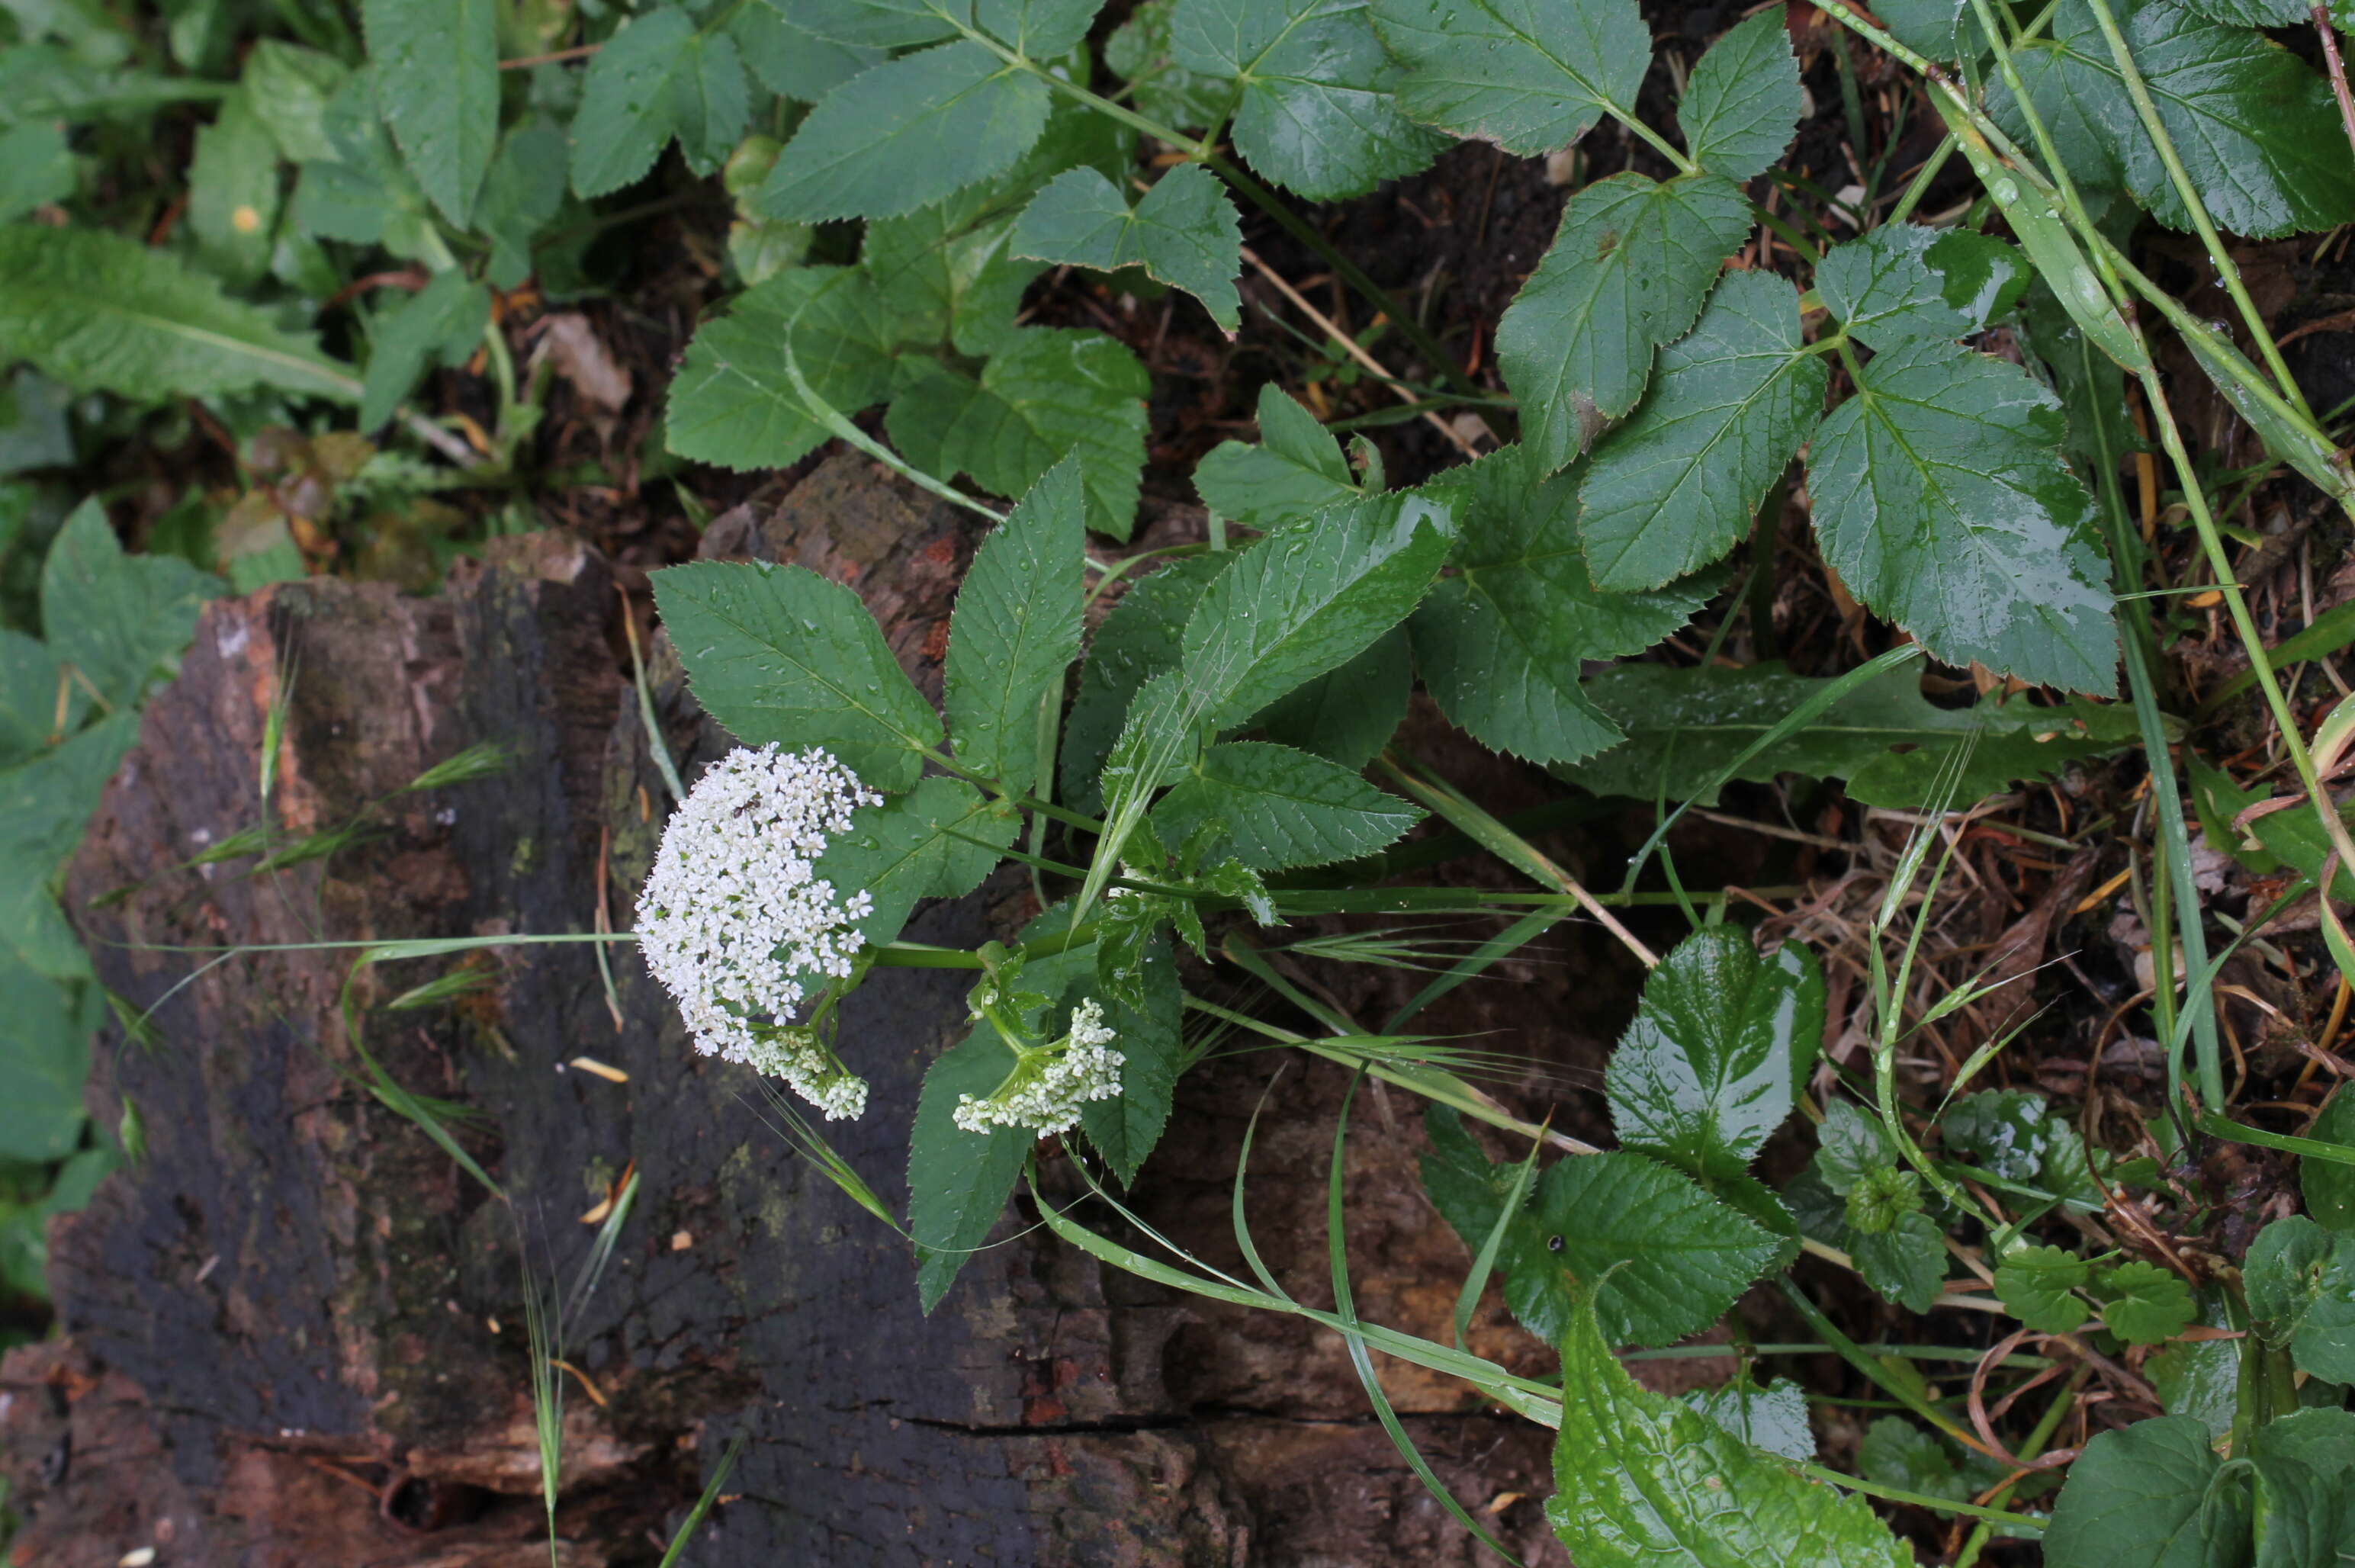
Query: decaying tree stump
x: 294, y: 1335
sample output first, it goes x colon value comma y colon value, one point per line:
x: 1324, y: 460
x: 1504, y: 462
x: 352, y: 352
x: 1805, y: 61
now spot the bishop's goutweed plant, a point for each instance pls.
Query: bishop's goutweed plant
x: 1953, y: 396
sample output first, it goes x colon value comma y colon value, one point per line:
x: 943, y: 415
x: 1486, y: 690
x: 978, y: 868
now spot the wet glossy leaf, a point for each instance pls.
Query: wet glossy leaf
x: 733, y: 401
x: 2328, y: 1186
x: 2145, y: 1494
x: 1296, y: 470
x: 437, y: 70
x: 2145, y: 1304
x: 1905, y: 282
x: 2301, y: 1285
x: 1677, y: 486
x: 1276, y: 807
x: 1126, y: 1128
x: 1706, y: 1071
x: 1744, y: 102
x: 1943, y: 503
x: 1627, y: 271
x: 1502, y: 641
x: 1183, y: 233
x: 1906, y: 1263
x: 659, y: 76
x: 1350, y: 714
x: 906, y: 134
x: 1941, y: 29
x: 1642, y: 1479
x: 782, y: 655
x: 2000, y: 1131
x: 2036, y: 1285
x: 1017, y: 628
x: 958, y: 1182
x: 1525, y: 74
x: 1773, y: 1417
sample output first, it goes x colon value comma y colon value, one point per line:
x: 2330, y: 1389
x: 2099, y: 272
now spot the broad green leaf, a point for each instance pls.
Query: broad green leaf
x: 2036, y: 1285
x: 2328, y: 1186
x: 2148, y: 1494
x: 287, y: 88
x: 35, y: 167
x: 1315, y: 113
x: 1183, y: 233
x: 233, y: 191
x: 2301, y: 1285
x: 2000, y: 1131
x: 122, y: 621
x: 45, y: 1057
x: 1139, y: 53
x: 1720, y: 1045
x: 2254, y: 125
x: 907, y: 132
x: 2199, y: 1379
x: 2254, y: 13
x: 364, y: 195
x: 782, y: 655
x: 1139, y: 640
x: 1744, y: 102
x: 1773, y: 1417
x: 1309, y: 598
x: 2304, y: 1515
x: 1500, y: 642
x: 1906, y: 1263
x: 1896, y: 1453
x: 1296, y: 470
x: 523, y: 189
x: 1039, y: 28
x: 44, y: 805
x: 1527, y: 75
x: 1627, y: 271
x: 913, y: 846
x: 870, y: 24
x: 1349, y: 714
x: 441, y: 323
x: 1151, y: 1042
x: 1675, y: 1257
x: 733, y: 402
x: 1017, y: 628
x: 1943, y: 503
x: 1941, y: 29
x: 1641, y: 1479
x: 1849, y: 1147
x: 31, y: 683
x: 1676, y: 487
x: 37, y: 435
x: 660, y: 77
x: 958, y: 1182
x: 790, y: 61
x: 1905, y: 282
x: 437, y: 69
x: 1895, y: 747
x: 2145, y: 1303
x: 103, y: 312
x: 1049, y: 393
x: 1278, y: 807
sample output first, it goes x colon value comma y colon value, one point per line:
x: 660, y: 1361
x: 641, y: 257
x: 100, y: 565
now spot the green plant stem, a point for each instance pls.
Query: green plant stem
x: 1854, y: 1355
x: 2218, y: 256
x: 1919, y: 187
x: 1014, y: 796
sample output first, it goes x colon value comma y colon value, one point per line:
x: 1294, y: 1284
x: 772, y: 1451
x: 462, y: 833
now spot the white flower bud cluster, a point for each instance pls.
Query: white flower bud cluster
x: 1047, y: 1088
x: 732, y: 911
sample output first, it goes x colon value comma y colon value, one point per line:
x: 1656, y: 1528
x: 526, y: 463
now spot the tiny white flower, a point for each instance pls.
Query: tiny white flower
x: 732, y: 911
x: 1049, y: 1085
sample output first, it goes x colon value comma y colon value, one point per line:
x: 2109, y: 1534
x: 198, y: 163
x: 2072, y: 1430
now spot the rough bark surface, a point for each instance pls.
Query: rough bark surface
x: 296, y: 1334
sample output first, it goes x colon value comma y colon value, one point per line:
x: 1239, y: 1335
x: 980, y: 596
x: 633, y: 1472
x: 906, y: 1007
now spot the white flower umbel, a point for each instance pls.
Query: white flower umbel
x: 733, y: 910
x: 1049, y: 1083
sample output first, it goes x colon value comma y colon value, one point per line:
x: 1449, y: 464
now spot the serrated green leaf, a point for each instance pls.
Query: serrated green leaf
x: 523, y: 189
x: 122, y: 621
x: 1016, y: 628
x: 44, y: 804
x: 1676, y: 487
x: 870, y: 24
x: 1278, y: 807
x: 1942, y: 501
x: 914, y: 846
x: 364, y: 196
x: 287, y: 88
x: 1642, y: 1479
x: 2145, y: 1494
x: 1718, y: 1048
x: 1896, y: 1453
x: 1151, y: 1042
x: 1773, y: 1417
x: 1183, y: 233
x: 1906, y: 1263
x: 35, y: 167
x: 958, y: 1182
x: 2301, y: 1284
x: 1039, y: 28
x: 782, y: 655
x: 1139, y: 640
x: 1046, y: 393
x: 1895, y: 747
x: 1905, y: 282
x: 1529, y: 75
x: 44, y: 1056
x: 2000, y: 1131
x: 1849, y: 1147
x: 659, y: 76
x: 1744, y: 102
x: 233, y: 191
x: 905, y: 134
x: 1350, y: 714
x: 1941, y: 29
x: 1627, y: 271
x: 1309, y: 598
x: 733, y: 402
x: 437, y: 69
x: 1315, y: 115
x: 1501, y: 641
x: 2328, y: 1185
x: 103, y: 312
x: 2144, y: 1302
x: 2254, y: 125
x: 1295, y: 470
x: 1139, y: 53
x: 790, y: 61
x: 2036, y: 1285
x: 441, y: 323
x: 2253, y: 13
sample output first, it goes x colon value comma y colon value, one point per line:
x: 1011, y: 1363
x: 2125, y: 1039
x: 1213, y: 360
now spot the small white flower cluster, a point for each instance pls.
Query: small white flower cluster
x: 732, y: 911
x: 1048, y: 1087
